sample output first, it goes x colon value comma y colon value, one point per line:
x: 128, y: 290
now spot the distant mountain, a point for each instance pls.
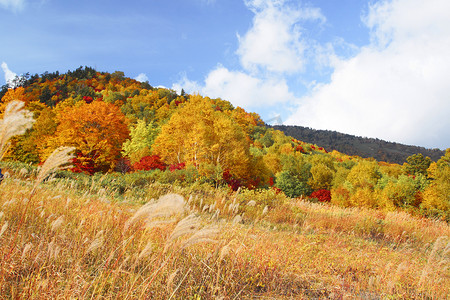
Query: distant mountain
x: 361, y: 146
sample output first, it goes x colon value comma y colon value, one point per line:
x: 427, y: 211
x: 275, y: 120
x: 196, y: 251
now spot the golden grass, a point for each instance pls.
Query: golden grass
x: 86, y: 247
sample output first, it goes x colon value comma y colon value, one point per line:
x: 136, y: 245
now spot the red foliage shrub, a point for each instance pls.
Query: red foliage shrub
x: 88, y: 99
x: 321, y: 195
x: 123, y: 166
x: 151, y: 162
x: 252, y: 184
x: 231, y: 181
x: 179, y: 166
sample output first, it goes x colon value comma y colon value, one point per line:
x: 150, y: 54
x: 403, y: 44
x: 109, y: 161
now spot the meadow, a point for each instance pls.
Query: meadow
x: 66, y: 239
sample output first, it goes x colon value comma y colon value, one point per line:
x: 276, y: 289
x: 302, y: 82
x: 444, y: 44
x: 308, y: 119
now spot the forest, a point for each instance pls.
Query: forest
x: 114, y: 189
x: 360, y: 146
x: 118, y: 124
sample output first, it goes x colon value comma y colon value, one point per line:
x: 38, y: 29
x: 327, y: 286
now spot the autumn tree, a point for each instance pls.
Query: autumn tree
x: 43, y: 131
x: 205, y: 138
x: 364, y: 174
x: 436, y: 197
x: 321, y: 177
x: 11, y: 95
x: 417, y: 164
x: 97, y: 131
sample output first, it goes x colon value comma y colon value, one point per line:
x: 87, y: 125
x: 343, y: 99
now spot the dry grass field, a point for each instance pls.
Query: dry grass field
x: 60, y: 242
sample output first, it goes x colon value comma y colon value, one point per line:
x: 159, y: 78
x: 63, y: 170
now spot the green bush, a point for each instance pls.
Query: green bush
x: 291, y: 185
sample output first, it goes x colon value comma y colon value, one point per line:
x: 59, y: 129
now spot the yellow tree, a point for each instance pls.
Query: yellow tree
x: 364, y: 174
x: 321, y: 177
x: 11, y: 95
x: 436, y: 197
x: 97, y: 131
x: 203, y: 137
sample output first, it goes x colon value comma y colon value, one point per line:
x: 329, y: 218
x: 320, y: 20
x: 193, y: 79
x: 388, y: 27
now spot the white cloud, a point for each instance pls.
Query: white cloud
x: 240, y: 88
x: 246, y: 90
x: 274, y: 42
x: 9, y: 75
x: 397, y: 87
x: 141, y: 77
x: 187, y: 85
x: 272, y: 47
x: 14, y: 5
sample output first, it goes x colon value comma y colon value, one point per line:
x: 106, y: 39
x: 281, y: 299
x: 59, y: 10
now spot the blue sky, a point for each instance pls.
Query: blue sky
x: 371, y: 68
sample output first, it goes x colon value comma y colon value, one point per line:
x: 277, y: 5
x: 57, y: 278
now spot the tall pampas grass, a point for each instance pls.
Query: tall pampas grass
x: 156, y: 213
x: 16, y: 121
x: 59, y: 159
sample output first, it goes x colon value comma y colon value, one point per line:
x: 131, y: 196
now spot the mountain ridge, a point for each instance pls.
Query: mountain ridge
x: 355, y: 145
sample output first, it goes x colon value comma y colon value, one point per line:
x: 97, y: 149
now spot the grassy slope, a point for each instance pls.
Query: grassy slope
x: 73, y: 244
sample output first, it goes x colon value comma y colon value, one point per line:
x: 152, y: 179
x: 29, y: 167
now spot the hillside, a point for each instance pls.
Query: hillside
x: 360, y: 146
x: 133, y: 133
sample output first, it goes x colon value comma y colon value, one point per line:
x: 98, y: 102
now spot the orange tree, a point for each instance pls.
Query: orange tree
x: 97, y: 130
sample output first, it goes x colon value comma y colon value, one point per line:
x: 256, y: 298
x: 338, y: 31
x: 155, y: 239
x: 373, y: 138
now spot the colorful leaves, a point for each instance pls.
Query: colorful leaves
x: 151, y: 162
x: 97, y: 130
x: 321, y: 195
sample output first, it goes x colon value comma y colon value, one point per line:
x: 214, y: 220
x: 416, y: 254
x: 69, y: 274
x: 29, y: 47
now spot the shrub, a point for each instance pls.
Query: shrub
x: 83, y: 164
x: 321, y: 195
x: 151, y: 162
x: 232, y: 182
x: 179, y: 166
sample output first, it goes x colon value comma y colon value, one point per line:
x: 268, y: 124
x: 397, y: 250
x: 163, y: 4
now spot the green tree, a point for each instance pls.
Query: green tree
x: 417, y: 164
x: 400, y: 192
x: 142, y: 136
x: 291, y: 185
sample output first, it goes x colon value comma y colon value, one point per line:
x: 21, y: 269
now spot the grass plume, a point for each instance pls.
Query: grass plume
x: 16, y: 121
x: 59, y: 159
x: 155, y: 213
